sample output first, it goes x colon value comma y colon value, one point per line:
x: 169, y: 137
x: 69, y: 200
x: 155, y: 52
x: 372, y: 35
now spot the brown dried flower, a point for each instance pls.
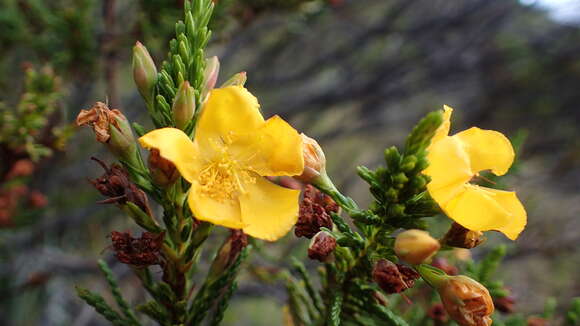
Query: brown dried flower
x: 114, y: 183
x: 99, y: 117
x: 460, y: 237
x: 140, y: 252
x: 321, y: 246
x: 314, y: 213
x: 393, y: 278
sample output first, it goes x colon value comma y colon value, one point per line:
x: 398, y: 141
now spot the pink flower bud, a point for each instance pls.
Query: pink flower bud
x: 144, y: 71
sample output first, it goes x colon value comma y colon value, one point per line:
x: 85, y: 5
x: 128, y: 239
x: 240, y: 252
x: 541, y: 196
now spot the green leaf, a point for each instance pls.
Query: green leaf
x: 97, y: 302
x: 421, y: 135
x: 117, y: 293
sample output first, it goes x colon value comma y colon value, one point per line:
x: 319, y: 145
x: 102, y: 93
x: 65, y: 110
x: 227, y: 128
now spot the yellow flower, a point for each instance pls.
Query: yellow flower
x: 455, y: 160
x: 233, y: 149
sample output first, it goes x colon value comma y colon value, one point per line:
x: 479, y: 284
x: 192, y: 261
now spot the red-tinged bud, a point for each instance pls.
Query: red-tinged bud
x: 228, y: 253
x: 460, y: 237
x: 183, y: 105
x: 321, y: 247
x: 144, y: 72
x: 210, y: 75
x: 314, y: 161
x: 238, y: 79
x: 415, y: 246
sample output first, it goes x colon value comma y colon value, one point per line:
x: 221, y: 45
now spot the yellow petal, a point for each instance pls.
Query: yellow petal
x: 221, y: 212
x: 449, y: 168
x: 275, y: 149
x: 175, y: 146
x: 487, y: 150
x: 443, y: 129
x: 268, y: 210
x: 228, y: 112
x: 510, y: 202
x: 483, y: 209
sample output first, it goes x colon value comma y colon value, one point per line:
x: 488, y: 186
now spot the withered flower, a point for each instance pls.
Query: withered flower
x: 115, y: 184
x: 460, y: 237
x: 321, y: 246
x: 99, y: 117
x: 111, y: 128
x: 314, y: 212
x: 393, y: 278
x: 163, y: 172
x: 140, y: 252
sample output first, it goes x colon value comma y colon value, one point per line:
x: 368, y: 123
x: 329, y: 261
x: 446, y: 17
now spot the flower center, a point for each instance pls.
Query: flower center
x: 223, y: 178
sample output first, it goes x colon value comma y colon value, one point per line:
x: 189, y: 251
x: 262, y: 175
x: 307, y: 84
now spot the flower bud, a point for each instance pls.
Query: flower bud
x: 314, y: 160
x: 163, y: 172
x: 415, y: 246
x: 321, y: 246
x: 210, y: 75
x: 183, y: 105
x: 144, y: 72
x: 238, y: 79
x: 228, y: 253
x: 460, y: 237
x: 465, y: 300
x: 122, y: 141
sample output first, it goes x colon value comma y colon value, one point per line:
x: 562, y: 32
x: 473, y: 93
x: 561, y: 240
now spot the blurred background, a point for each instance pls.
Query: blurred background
x: 354, y: 74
